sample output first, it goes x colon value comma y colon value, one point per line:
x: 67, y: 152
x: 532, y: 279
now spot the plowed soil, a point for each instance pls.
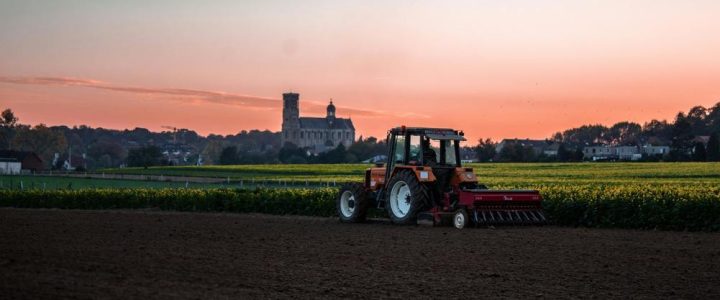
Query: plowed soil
x: 148, y: 254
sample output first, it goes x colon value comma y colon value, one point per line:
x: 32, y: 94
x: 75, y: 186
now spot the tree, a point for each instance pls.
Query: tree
x: 106, y: 153
x: 39, y: 139
x: 145, y: 157
x: 578, y: 155
x: 682, y: 137
x: 8, y: 121
x: 699, y: 152
x: 211, y: 152
x: 8, y: 118
x: 290, y: 153
x: 229, y: 156
x: 713, y: 118
x: 696, y: 117
x: 624, y: 133
x: 713, y: 147
x: 584, y: 135
x: 485, y: 150
x: 517, y: 152
x: 563, y: 154
x: 657, y: 132
x: 335, y: 156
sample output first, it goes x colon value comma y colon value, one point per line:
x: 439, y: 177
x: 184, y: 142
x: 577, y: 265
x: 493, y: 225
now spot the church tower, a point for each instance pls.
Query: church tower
x: 330, y: 113
x: 291, y: 118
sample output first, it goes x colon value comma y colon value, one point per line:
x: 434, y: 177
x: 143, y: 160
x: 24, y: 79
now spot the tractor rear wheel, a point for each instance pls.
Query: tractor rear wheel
x: 405, y: 197
x: 352, y: 203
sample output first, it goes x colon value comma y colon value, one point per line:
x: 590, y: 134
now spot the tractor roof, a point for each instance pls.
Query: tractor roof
x: 433, y: 133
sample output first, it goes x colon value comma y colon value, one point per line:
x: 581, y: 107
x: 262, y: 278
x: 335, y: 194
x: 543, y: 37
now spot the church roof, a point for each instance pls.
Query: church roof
x: 322, y: 123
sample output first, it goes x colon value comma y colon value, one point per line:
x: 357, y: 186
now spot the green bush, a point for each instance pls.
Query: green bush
x: 634, y: 206
x: 313, y: 202
x: 628, y: 206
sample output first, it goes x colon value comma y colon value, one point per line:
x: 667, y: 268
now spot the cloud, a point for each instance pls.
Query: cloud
x: 200, y: 96
x: 49, y: 81
x: 204, y: 96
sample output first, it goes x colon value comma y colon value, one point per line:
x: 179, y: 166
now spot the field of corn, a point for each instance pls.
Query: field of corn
x: 672, y: 196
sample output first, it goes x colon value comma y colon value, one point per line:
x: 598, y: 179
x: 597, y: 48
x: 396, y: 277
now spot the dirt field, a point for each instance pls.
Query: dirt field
x: 141, y: 254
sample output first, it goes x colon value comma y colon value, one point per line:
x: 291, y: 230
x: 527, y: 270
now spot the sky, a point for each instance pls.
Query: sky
x: 495, y: 69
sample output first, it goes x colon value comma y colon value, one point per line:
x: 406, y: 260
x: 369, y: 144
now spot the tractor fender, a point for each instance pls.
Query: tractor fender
x: 422, y: 173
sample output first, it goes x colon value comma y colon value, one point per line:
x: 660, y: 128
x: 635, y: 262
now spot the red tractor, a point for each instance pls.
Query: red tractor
x: 424, y: 182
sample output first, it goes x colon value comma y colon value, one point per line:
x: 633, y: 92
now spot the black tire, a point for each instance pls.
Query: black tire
x: 419, y: 198
x: 358, y: 205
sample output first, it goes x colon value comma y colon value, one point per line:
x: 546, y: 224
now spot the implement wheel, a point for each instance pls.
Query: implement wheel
x: 461, y: 219
x: 405, y: 197
x: 352, y: 203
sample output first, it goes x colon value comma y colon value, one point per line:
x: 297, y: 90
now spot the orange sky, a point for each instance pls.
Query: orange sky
x: 495, y: 69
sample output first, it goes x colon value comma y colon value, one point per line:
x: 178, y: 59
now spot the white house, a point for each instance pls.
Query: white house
x: 598, y: 152
x: 628, y: 152
x: 604, y: 152
x: 655, y: 150
x: 10, y: 167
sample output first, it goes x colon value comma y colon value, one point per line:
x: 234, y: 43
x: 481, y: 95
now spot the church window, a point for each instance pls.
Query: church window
x: 302, y: 134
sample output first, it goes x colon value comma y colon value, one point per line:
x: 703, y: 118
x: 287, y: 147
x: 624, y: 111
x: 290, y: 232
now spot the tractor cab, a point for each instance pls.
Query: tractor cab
x: 433, y: 152
x: 426, y: 147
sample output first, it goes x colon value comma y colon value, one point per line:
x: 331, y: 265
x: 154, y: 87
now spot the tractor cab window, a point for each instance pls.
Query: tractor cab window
x: 432, y: 152
x: 450, y: 158
x: 399, y: 155
x: 439, y: 152
x: 415, y: 145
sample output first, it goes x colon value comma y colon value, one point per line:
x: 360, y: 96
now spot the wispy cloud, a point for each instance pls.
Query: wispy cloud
x: 197, y: 96
x: 205, y: 96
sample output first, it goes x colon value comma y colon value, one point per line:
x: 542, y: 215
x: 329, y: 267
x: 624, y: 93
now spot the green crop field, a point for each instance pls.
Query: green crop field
x: 55, y: 182
x: 492, y: 174
x: 678, y: 196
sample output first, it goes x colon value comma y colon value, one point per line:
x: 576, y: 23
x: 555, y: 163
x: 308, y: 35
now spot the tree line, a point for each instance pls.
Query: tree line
x: 691, y: 136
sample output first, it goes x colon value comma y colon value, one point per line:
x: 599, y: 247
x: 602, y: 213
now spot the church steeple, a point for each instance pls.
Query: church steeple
x: 331, y: 112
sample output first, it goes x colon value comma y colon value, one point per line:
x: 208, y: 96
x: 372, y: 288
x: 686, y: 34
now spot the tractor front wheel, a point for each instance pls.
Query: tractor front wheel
x: 352, y: 203
x: 405, y: 197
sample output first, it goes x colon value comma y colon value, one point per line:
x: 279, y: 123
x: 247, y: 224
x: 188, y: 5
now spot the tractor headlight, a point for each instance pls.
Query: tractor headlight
x: 424, y: 175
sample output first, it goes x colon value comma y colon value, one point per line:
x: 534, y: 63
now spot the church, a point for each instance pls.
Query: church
x: 315, y: 134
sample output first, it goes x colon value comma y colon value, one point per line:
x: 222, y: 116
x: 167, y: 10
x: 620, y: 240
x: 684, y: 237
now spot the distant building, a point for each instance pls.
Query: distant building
x: 609, y: 152
x: 29, y: 161
x: 468, y: 155
x: 655, y: 150
x: 376, y: 159
x: 704, y: 139
x: 601, y: 152
x: 69, y: 162
x: 628, y: 152
x: 10, y: 166
x: 315, y: 134
x: 552, y: 149
x: 539, y: 146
